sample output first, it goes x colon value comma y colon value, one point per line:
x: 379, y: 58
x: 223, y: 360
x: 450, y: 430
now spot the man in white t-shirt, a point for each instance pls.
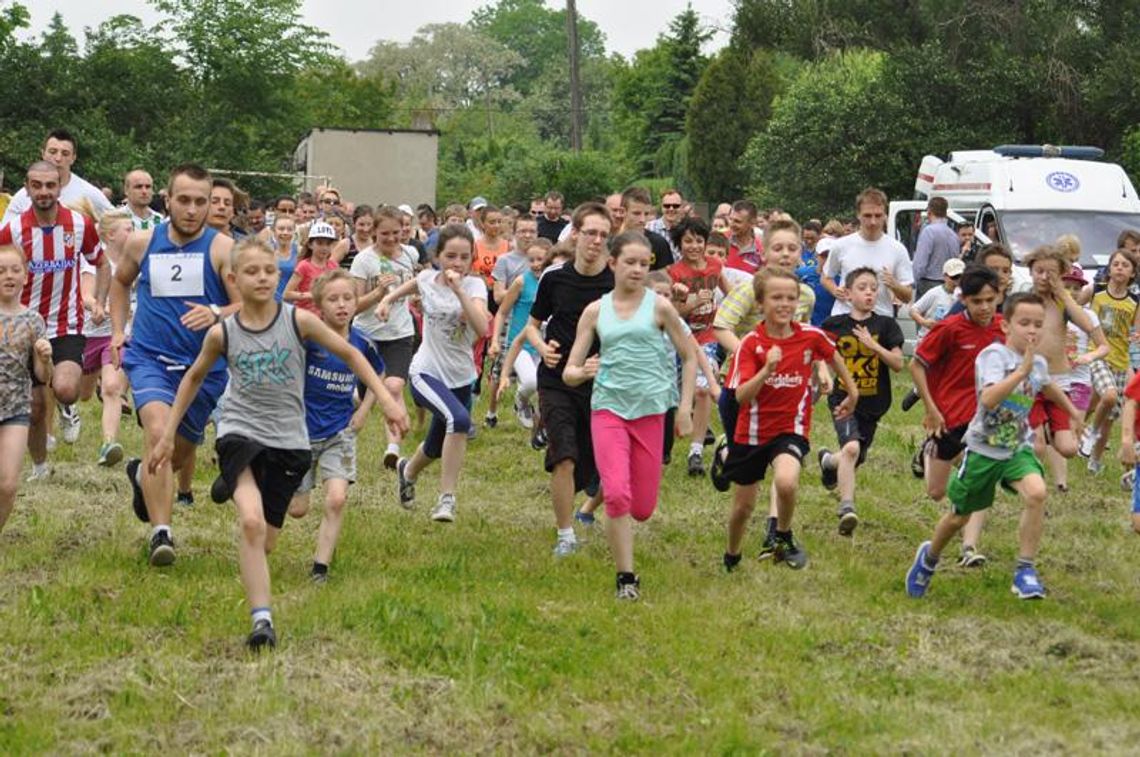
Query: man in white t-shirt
x: 870, y: 248
x: 60, y: 149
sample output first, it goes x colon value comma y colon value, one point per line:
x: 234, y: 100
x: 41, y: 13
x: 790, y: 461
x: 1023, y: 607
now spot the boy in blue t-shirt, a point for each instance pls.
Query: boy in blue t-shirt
x: 332, y: 421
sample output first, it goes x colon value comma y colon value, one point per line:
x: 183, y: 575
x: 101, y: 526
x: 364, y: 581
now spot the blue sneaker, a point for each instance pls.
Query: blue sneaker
x: 1026, y: 584
x: 586, y: 519
x: 918, y: 577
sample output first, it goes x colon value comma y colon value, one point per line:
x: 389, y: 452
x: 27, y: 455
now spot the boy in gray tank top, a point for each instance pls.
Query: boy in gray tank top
x: 263, y: 443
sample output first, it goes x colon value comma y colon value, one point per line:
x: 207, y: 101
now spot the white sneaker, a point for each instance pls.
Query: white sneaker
x: 565, y: 547
x: 1095, y: 466
x: 40, y: 472
x: 524, y: 412
x: 70, y: 423
x: 1088, y: 441
x: 444, y: 511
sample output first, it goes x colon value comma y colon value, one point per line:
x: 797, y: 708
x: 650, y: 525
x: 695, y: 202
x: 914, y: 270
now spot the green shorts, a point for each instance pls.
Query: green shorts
x: 972, y: 488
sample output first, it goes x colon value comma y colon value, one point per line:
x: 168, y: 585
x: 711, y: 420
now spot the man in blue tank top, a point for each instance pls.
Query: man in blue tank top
x: 181, y: 269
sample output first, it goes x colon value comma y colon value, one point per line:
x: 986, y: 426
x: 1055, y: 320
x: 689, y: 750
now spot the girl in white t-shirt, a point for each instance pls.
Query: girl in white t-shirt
x: 442, y: 371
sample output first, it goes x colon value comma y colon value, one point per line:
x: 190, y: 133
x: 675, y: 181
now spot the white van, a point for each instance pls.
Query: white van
x: 1028, y: 195
x: 1024, y: 196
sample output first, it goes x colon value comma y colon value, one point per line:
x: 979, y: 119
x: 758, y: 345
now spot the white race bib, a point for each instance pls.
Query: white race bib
x: 177, y: 274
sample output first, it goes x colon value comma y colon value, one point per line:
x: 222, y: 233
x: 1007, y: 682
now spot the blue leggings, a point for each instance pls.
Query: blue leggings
x: 448, y: 408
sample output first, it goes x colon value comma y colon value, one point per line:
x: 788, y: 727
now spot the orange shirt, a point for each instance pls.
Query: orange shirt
x: 486, y: 256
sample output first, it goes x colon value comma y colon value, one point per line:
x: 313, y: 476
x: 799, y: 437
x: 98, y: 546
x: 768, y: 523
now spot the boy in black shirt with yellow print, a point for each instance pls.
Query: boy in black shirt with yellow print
x: 869, y: 343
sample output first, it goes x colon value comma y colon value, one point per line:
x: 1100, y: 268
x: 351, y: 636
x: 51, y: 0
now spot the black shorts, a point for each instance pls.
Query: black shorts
x: 278, y: 472
x: 65, y: 349
x: 856, y: 427
x: 566, y: 418
x: 747, y: 463
x: 948, y: 446
x: 397, y: 355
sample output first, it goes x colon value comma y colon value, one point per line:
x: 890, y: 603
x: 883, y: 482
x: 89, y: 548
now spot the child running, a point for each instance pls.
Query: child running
x: 1008, y: 379
x: 1116, y: 307
x: 868, y: 342
x: 628, y: 402
x: 263, y: 444
x: 442, y: 372
x: 515, y: 309
x: 697, y: 277
x: 1128, y: 420
x: 114, y: 228
x: 315, y: 259
x: 563, y: 293
x: 771, y: 371
x: 330, y: 418
x: 24, y: 351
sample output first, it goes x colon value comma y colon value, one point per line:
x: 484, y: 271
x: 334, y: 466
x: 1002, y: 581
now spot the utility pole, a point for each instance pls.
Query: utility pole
x: 575, y: 82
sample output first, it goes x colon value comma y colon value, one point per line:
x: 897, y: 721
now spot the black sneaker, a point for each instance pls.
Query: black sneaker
x: 829, y: 477
x: 538, y: 439
x: 720, y: 482
x: 490, y: 420
x: 407, y: 489
x: 161, y: 549
x: 918, y: 462
x: 630, y: 592
x: 848, y: 520
x: 909, y: 400
x: 710, y: 438
x: 696, y: 465
x: 186, y: 499
x: 788, y: 551
x: 768, y: 548
x: 137, y: 501
x: 263, y: 636
x: 220, y: 490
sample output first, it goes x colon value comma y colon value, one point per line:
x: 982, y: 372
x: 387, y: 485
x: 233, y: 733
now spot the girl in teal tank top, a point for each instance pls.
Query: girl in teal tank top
x: 630, y: 394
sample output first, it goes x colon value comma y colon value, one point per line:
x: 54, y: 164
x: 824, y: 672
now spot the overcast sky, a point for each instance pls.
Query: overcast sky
x: 355, y: 25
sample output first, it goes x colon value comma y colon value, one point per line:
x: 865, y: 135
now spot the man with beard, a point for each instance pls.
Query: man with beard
x: 181, y: 267
x: 60, y: 150
x: 52, y: 237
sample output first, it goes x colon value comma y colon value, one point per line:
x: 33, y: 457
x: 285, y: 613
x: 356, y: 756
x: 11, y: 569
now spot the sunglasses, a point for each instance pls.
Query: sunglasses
x: 671, y: 205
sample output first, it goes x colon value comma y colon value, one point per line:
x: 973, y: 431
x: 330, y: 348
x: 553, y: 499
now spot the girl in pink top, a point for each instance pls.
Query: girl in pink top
x: 315, y: 259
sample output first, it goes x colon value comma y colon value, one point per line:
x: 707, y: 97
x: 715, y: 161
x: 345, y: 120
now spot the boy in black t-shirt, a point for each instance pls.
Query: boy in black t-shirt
x: 867, y: 341
x: 563, y: 293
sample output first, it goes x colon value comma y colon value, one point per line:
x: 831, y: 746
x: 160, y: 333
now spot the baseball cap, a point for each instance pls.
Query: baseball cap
x: 321, y: 230
x: 476, y: 203
x: 1075, y: 274
x: 406, y: 209
x: 953, y: 267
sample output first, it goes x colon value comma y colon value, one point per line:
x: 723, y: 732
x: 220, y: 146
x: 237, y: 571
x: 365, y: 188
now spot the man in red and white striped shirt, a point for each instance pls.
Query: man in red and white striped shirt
x: 52, y: 238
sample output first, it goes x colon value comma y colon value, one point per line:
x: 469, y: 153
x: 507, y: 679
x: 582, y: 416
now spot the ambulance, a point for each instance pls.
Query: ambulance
x: 1026, y: 196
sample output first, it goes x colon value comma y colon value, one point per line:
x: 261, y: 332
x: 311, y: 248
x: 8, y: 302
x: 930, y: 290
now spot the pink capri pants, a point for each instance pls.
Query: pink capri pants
x: 628, y: 458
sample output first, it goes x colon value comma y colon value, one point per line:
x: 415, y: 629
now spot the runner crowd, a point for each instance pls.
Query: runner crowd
x: 285, y: 321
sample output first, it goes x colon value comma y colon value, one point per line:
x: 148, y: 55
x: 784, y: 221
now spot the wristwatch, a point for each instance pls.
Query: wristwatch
x: 217, y: 311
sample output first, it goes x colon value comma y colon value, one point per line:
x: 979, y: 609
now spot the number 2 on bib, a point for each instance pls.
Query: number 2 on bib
x: 177, y: 274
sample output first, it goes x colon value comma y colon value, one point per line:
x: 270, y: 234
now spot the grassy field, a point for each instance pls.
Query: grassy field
x: 471, y: 638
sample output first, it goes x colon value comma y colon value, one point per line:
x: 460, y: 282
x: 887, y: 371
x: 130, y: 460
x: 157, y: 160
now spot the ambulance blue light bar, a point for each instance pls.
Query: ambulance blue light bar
x: 1076, y: 152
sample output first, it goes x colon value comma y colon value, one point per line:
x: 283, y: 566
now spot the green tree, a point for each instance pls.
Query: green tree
x: 652, y: 94
x: 833, y: 132
x: 730, y: 105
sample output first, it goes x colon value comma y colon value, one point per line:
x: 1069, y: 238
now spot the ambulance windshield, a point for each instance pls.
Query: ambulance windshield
x: 1097, y: 231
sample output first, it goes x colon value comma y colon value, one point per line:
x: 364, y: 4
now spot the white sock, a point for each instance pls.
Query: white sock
x: 696, y: 448
x: 829, y: 461
x: 393, y: 447
x: 39, y: 467
x: 160, y: 528
x: 261, y: 613
x: 566, y: 534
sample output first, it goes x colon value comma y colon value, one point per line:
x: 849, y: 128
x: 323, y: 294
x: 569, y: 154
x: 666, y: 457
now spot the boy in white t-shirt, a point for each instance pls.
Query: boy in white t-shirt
x: 933, y: 306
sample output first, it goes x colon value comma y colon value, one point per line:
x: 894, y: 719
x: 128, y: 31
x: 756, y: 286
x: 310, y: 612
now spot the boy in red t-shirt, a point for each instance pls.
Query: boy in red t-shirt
x: 696, y: 277
x: 773, y: 366
x: 1128, y: 428
x: 943, y: 372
